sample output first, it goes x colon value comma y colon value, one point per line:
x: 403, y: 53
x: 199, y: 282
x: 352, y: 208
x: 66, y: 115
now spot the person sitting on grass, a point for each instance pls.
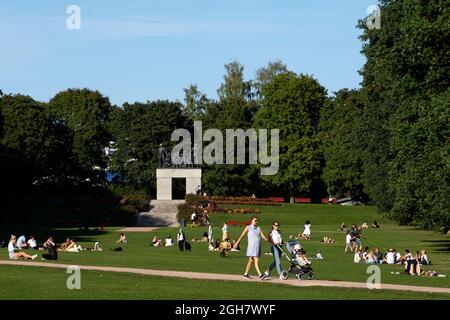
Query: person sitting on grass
x: 365, y: 226
x: 224, y: 247
x: 122, y: 238
x: 52, y: 252
x: 343, y: 227
x: 358, y: 257
x: 13, y: 255
x: 22, y: 243
x: 156, y: 242
x: 73, y: 247
x: 375, y: 225
x: 168, y: 242
x: 65, y: 244
x: 217, y: 245
x: 378, y: 255
x: 306, y: 235
x: 233, y: 248
x: 49, y: 243
x: 424, y: 258
x: 32, y: 244
x: 370, y: 258
x: 97, y: 247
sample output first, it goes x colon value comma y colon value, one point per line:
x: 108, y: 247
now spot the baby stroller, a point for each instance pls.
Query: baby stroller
x: 301, y: 271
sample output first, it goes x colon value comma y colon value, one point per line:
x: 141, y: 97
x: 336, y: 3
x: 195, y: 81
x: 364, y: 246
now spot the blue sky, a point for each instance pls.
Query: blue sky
x: 145, y: 50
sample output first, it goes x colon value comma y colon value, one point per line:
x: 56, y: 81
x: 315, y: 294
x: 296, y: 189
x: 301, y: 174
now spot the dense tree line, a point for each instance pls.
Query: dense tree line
x: 386, y: 143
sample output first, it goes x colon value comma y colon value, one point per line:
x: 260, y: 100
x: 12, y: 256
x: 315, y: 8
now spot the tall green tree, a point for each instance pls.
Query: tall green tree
x: 266, y: 74
x: 339, y: 128
x: 29, y: 142
x: 407, y: 68
x: 86, y: 114
x: 234, y: 110
x: 138, y: 130
x: 292, y: 104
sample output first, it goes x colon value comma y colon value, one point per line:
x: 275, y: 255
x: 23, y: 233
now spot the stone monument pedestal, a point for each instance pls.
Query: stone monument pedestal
x: 163, y: 212
x: 164, y: 180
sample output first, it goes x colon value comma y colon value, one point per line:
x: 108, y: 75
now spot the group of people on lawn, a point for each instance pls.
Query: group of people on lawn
x: 15, y: 246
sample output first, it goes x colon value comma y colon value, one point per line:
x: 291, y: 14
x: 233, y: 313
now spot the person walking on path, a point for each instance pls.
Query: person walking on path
x: 254, y: 234
x: 276, y: 240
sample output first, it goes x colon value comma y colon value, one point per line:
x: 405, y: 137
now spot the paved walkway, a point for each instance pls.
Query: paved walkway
x: 230, y: 277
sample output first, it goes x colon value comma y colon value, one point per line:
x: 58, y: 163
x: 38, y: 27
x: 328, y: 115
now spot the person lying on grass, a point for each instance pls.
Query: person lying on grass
x: 328, y: 240
x: 13, y: 255
x: 203, y: 239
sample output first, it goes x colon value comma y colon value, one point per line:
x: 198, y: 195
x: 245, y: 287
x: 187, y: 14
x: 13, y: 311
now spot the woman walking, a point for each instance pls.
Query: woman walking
x: 276, y: 240
x: 254, y: 234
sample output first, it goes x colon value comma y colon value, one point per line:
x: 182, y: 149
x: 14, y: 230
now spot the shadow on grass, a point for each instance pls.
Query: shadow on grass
x: 438, y: 245
x: 42, y: 233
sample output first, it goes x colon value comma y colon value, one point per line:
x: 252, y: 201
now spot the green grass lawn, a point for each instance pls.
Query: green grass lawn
x: 42, y: 283
x: 325, y: 220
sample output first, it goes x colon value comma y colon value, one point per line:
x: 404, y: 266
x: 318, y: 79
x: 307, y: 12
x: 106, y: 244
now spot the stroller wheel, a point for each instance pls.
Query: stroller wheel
x: 311, y: 275
x: 299, y: 276
x: 284, y: 274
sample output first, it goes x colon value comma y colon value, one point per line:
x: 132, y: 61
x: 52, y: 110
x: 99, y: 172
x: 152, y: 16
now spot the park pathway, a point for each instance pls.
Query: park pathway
x: 229, y: 277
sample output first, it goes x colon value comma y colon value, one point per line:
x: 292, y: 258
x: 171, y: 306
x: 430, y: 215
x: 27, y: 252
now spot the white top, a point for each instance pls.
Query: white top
x: 276, y: 237
x: 348, y: 238
x: 409, y: 256
x: 21, y: 241
x: 180, y: 236
x: 11, y: 248
x: 357, y: 258
x: 193, y: 215
x: 307, y: 229
x: 225, y: 228
x: 32, y: 243
x: 169, y: 242
x: 390, y: 258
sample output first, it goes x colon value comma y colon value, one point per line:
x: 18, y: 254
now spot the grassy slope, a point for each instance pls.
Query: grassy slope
x: 34, y: 283
x: 325, y: 221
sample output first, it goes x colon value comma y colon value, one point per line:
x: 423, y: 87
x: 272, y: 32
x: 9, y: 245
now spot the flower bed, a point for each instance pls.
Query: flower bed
x: 242, y: 210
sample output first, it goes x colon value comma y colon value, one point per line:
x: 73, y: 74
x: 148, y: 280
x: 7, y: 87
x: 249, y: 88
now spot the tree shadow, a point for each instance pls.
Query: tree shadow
x: 438, y: 245
x: 43, y: 233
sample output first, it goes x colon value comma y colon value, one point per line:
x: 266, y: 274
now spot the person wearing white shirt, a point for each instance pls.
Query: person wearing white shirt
x: 225, y: 231
x: 276, y: 239
x: 357, y: 257
x: 13, y: 255
x: 169, y: 241
x: 210, y: 232
x: 348, y: 242
x: 390, y: 257
x: 32, y: 242
x: 180, y: 240
x: 193, y: 216
x: 22, y: 243
x: 307, y: 231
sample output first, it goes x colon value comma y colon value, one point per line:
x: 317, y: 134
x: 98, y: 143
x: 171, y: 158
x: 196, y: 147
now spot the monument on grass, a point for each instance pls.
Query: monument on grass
x: 164, y: 209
